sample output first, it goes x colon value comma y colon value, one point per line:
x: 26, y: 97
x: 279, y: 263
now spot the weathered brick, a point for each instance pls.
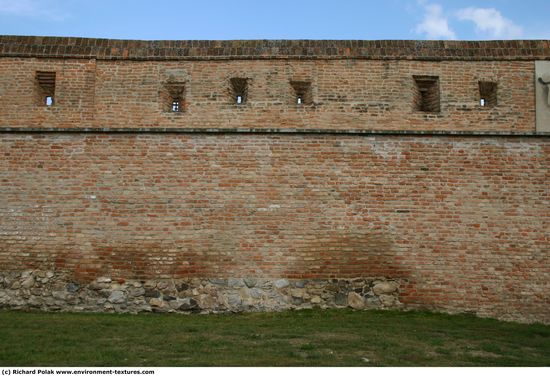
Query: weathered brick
x: 460, y: 221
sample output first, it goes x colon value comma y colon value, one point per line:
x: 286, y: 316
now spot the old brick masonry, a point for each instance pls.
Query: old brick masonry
x: 369, y: 174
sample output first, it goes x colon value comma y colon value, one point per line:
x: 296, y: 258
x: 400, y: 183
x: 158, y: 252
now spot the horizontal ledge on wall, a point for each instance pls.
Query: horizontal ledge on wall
x: 90, y: 48
x: 282, y: 57
x: 351, y: 132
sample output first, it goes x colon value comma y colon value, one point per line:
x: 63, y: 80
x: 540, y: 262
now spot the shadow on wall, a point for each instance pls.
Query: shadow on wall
x: 347, y: 255
x: 225, y: 254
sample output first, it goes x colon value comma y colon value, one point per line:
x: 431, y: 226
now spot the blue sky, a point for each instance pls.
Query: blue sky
x: 282, y: 19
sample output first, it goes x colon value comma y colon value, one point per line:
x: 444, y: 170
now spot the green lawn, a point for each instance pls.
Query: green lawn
x: 302, y: 338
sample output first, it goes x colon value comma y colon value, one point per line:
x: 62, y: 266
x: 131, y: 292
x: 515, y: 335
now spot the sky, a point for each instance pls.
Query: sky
x: 280, y: 19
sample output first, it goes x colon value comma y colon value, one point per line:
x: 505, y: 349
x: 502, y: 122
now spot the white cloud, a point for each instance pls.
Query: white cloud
x: 489, y: 22
x: 435, y: 24
x: 31, y: 8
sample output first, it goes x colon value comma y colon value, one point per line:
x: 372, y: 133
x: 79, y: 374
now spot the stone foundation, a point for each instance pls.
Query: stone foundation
x: 48, y: 291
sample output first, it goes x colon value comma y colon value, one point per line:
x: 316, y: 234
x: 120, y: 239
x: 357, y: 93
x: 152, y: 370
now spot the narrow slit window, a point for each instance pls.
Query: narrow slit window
x: 239, y: 89
x: 46, y: 85
x: 172, y: 96
x: 175, y: 105
x: 302, y: 91
x: 487, y: 94
x: 426, y: 94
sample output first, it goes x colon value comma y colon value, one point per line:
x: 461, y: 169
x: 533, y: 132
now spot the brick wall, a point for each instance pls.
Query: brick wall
x: 112, y: 49
x: 345, y: 94
x: 458, y: 220
x: 464, y: 220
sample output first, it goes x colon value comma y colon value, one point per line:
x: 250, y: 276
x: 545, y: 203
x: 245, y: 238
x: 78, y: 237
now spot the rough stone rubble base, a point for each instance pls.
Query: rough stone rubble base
x: 45, y: 290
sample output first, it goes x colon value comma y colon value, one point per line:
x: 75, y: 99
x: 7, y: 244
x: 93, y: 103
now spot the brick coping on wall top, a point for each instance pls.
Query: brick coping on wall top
x: 359, y: 132
x: 114, y: 49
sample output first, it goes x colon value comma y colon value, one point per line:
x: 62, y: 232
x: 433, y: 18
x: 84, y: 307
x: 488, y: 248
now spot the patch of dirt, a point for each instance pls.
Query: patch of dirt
x: 484, y: 354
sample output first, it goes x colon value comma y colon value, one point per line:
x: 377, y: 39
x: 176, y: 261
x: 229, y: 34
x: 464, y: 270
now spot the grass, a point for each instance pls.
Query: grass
x: 300, y: 338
